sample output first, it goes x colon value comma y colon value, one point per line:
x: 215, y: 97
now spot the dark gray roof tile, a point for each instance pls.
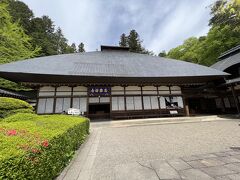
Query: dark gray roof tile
x: 109, y: 64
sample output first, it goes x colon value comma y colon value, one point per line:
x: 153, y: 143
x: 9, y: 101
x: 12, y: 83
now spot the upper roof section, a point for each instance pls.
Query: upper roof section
x: 230, y: 52
x: 107, y: 64
x: 228, y: 59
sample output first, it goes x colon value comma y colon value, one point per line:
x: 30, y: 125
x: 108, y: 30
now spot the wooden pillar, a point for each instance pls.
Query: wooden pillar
x: 142, y: 98
x: 235, y: 99
x: 110, y: 102
x: 158, y: 98
x: 87, y: 113
x: 186, y: 107
x: 54, y: 100
x: 223, y: 105
x: 71, y: 100
x: 125, y: 101
x: 37, y: 100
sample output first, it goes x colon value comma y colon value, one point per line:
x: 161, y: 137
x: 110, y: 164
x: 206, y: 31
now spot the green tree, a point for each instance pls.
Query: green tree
x: 81, y: 47
x: 134, y: 42
x: 123, y: 40
x: 40, y: 29
x: 186, y: 51
x: 14, y: 43
x: 224, y: 34
x: 71, y: 48
x: 61, y: 42
x: 42, y: 32
x: 225, y: 13
x: 20, y: 13
x: 162, y: 54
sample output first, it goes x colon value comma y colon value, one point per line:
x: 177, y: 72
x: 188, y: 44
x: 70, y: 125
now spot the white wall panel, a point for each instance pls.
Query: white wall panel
x: 121, y: 103
x: 41, y: 106
x: 118, y: 104
x: 117, y: 88
x: 129, y: 103
x: 162, y: 103
x: 147, y: 102
x: 93, y: 100
x: 133, y: 88
x: 46, y: 91
x: 80, y: 103
x: 83, y: 104
x: 76, y: 103
x: 175, y: 88
x: 46, y: 88
x: 80, y: 88
x: 66, y: 104
x: 117, y: 92
x: 163, y: 90
x: 45, y: 106
x: 149, y: 88
x: 42, y: 94
x: 133, y: 92
x: 150, y: 92
x: 180, y: 101
x: 138, y: 102
x: 79, y: 93
x: 49, y: 105
x: 59, y: 105
x: 154, y: 102
x: 64, y: 91
x: 104, y: 99
x: 114, y: 103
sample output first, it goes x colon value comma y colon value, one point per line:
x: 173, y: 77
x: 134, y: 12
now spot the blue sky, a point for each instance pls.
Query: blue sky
x: 162, y: 24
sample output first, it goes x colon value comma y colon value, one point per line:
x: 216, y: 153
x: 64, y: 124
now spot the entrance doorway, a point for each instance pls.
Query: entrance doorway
x: 99, y: 111
x: 202, y: 106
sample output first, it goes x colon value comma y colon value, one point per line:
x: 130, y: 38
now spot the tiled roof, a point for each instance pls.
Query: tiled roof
x: 109, y: 63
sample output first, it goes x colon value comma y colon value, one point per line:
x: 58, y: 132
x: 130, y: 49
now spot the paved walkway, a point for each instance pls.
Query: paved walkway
x: 200, y: 150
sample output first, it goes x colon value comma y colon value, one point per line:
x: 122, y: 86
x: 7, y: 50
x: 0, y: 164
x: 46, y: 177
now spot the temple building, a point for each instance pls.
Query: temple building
x: 229, y: 91
x: 115, y: 83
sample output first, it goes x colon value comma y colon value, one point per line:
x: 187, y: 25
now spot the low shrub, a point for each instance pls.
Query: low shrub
x: 39, y: 147
x: 9, y: 106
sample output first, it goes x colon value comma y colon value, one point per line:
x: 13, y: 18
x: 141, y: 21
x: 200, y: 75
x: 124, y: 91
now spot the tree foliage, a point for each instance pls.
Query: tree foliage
x: 40, y: 29
x: 81, y: 47
x: 123, y: 40
x: 223, y: 35
x: 14, y: 44
x: 23, y: 36
x: 162, y: 54
x: 134, y: 43
x: 20, y: 13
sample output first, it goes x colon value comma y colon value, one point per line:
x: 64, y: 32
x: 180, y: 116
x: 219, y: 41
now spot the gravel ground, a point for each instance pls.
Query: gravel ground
x: 145, y: 143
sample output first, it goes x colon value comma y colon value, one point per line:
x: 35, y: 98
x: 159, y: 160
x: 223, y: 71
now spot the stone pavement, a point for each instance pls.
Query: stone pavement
x: 213, y: 166
x: 81, y: 165
x: 116, y: 153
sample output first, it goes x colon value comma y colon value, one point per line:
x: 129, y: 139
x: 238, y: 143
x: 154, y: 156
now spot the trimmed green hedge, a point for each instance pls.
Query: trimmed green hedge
x: 39, y: 147
x: 9, y: 106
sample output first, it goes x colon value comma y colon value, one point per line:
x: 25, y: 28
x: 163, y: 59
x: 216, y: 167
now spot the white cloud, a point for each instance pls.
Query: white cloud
x: 161, y: 24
